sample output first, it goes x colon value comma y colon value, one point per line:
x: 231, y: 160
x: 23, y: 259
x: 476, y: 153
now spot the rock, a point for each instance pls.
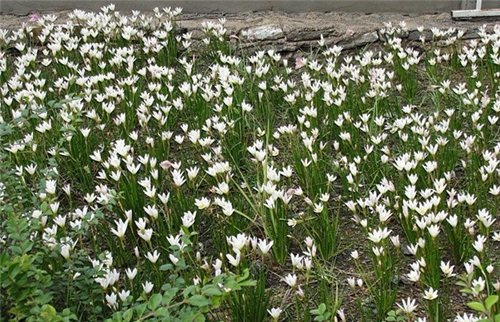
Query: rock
x: 470, y: 34
x: 364, y: 39
x: 302, y: 35
x: 415, y: 35
x: 403, y: 35
x: 267, y: 32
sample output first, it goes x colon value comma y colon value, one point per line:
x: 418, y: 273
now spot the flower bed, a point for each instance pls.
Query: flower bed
x: 145, y: 176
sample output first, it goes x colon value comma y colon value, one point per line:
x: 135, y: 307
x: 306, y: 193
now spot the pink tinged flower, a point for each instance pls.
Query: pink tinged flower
x: 33, y: 17
x: 300, y: 62
x: 165, y: 164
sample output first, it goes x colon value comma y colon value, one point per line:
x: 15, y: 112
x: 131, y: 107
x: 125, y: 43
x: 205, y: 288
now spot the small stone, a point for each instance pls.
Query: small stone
x: 405, y: 249
x: 267, y: 32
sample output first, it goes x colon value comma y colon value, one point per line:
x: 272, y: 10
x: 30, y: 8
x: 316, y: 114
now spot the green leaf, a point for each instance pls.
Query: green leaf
x: 490, y: 301
x: 117, y: 317
x: 140, y: 310
x: 497, y: 318
x: 49, y: 313
x: 127, y: 315
x: 216, y: 301
x: 166, y: 267
x: 211, y: 290
x: 169, y: 295
x: 14, y: 269
x: 162, y: 312
x: 199, y: 301
x: 154, y: 301
x: 477, y: 306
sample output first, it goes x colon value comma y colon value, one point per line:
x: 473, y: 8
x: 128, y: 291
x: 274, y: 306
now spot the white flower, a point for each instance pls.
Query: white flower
x: 124, y: 295
x: 193, y: 172
x: 296, y: 260
x: 131, y: 273
x: 291, y: 280
x: 50, y: 186
x: 60, y: 221
x: 264, y: 246
x: 153, y: 257
x: 146, y: 234
x: 188, y: 219
x: 275, y: 313
x: 235, y: 261
x: 121, y: 228
x: 202, y: 203
x: 407, y: 306
x: 479, y: 243
x: 378, y: 235
x: 466, y: 318
x: 111, y: 300
x: 414, y: 276
x: 430, y: 294
x: 433, y: 230
x: 173, y: 259
x: 447, y: 269
x: 151, y: 211
x: 178, y: 178
x: 147, y: 287
x: 65, y: 251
